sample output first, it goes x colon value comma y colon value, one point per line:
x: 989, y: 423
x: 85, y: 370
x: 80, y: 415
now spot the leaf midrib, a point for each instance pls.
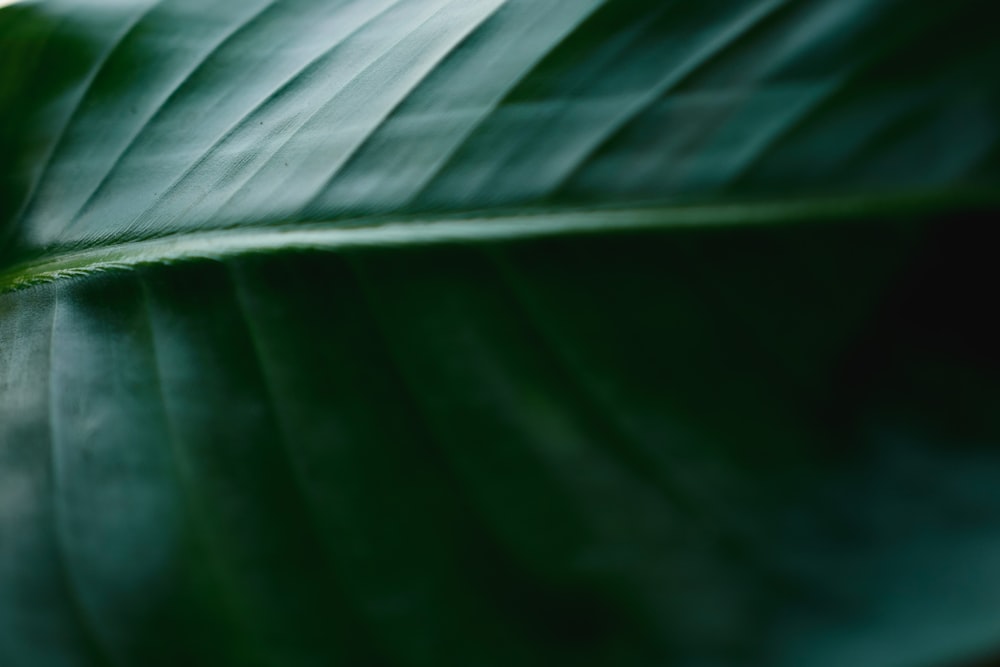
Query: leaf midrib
x: 477, y: 227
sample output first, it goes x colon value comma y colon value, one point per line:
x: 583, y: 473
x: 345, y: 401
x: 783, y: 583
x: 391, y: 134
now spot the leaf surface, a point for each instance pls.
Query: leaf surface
x: 494, y: 332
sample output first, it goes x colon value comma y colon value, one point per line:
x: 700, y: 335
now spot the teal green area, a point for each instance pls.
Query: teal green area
x: 478, y: 333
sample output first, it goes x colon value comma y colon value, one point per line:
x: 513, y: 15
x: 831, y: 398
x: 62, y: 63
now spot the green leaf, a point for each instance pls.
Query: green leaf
x: 498, y: 332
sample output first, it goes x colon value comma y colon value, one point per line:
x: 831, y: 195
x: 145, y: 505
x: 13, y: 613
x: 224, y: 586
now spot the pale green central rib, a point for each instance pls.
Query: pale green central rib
x: 473, y: 228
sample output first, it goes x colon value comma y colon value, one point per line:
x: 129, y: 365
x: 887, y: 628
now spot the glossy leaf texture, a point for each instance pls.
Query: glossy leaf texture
x: 486, y: 332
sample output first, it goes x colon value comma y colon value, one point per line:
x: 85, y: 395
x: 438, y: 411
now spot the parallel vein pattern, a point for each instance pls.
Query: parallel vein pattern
x: 497, y: 455
x: 450, y: 333
x: 264, y: 113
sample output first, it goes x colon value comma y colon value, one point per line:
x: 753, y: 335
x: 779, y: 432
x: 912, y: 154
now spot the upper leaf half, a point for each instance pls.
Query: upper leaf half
x: 180, y: 116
